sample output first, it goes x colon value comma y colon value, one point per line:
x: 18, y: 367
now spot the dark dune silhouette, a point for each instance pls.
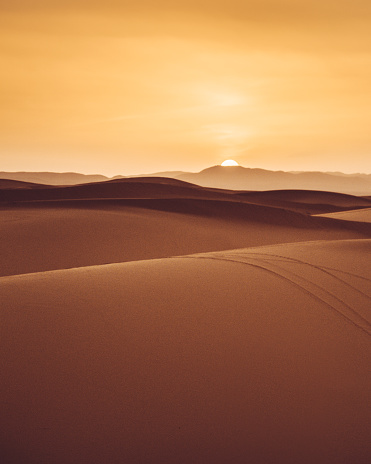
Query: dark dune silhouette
x: 309, y: 201
x: 152, y: 187
x: 123, y: 220
x: 17, y: 184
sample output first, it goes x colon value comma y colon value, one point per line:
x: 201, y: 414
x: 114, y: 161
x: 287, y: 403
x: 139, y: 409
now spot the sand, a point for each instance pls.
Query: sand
x: 358, y: 215
x: 125, y: 220
x: 247, y: 339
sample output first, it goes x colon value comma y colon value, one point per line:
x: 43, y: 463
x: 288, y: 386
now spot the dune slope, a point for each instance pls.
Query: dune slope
x: 359, y: 215
x: 257, y: 355
x: 48, y: 227
x: 57, y: 235
x: 312, y: 202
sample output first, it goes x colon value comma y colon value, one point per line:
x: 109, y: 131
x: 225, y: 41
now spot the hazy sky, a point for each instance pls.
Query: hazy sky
x: 124, y: 87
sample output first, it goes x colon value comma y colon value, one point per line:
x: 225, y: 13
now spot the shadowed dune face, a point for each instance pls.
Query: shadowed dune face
x: 16, y: 184
x: 38, y: 238
x: 307, y: 201
x: 129, y: 219
x: 229, y: 354
x: 257, y: 355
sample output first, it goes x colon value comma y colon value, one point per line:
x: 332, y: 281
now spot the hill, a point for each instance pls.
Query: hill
x: 240, y: 178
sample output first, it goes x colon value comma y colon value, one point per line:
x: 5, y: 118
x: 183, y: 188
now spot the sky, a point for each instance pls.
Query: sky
x: 119, y: 87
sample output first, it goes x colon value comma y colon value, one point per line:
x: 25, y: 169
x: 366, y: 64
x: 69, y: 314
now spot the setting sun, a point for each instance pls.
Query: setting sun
x: 229, y: 163
x: 155, y: 307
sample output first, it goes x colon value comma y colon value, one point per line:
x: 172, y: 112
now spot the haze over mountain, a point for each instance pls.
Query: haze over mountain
x: 221, y: 177
x: 241, y: 178
x: 53, y: 178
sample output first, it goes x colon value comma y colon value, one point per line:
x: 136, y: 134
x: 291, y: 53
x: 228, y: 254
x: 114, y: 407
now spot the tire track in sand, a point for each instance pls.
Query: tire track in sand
x: 301, y: 283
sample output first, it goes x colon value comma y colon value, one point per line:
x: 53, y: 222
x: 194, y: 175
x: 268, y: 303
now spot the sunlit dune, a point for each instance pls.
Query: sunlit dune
x: 361, y: 215
x: 259, y: 354
x: 149, y: 320
x: 128, y: 219
x: 185, y: 232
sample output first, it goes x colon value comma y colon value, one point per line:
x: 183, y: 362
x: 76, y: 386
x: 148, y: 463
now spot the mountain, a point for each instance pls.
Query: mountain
x: 171, y: 174
x: 53, y: 178
x: 222, y: 177
x: 240, y: 178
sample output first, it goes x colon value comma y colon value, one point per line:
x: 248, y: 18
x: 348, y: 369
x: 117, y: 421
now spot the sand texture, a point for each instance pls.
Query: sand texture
x: 359, y: 215
x: 184, y: 328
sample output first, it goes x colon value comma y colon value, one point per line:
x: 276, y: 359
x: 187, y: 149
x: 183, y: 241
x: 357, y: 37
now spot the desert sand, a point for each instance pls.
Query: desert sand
x: 358, y: 215
x: 154, y: 321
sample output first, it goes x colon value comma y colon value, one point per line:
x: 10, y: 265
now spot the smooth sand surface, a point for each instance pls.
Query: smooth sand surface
x: 58, y: 236
x: 246, y: 341
x: 358, y: 215
x: 257, y: 355
x: 307, y: 201
x: 45, y: 228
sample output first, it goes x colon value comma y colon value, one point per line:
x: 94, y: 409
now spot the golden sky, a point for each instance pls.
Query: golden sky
x: 119, y: 87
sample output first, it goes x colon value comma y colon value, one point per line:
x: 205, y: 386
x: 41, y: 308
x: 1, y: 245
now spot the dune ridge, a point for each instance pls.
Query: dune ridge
x: 127, y: 219
x: 38, y: 236
x: 153, y: 321
x: 196, y: 358
x: 299, y: 200
x: 359, y: 215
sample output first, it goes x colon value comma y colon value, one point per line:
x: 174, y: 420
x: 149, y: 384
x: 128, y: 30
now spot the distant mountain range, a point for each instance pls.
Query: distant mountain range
x: 231, y: 177
x: 53, y: 178
x: 240, y: 178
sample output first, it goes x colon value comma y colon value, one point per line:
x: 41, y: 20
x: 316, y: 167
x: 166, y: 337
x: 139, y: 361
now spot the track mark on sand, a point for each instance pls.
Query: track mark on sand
x: 338, y: 300
x: 361, y: 323
x: 323, y: 269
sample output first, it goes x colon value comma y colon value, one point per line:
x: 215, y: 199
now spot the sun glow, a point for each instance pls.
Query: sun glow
x: 229, y: 163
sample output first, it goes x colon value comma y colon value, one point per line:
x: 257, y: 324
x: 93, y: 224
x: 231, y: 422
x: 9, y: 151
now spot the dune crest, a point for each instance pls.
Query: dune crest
x: 48, y: 227
x: 258, y: 353
x: 358, y: 215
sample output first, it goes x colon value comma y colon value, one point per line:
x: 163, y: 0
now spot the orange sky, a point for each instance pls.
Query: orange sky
x: 121, y: 87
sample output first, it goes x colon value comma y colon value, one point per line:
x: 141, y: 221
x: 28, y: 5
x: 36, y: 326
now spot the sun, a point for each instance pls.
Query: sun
x: 229, y: 163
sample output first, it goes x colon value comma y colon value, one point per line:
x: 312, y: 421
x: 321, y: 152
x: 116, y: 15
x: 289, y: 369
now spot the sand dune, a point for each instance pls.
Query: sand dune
x: 307, y: 201
x: 52, y: 227
x: 359, y: 215
x: 123, y: 188
x: 39, y: 236
x: 17, y: 184
x: 214, y: 353
x: 256, y: 355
